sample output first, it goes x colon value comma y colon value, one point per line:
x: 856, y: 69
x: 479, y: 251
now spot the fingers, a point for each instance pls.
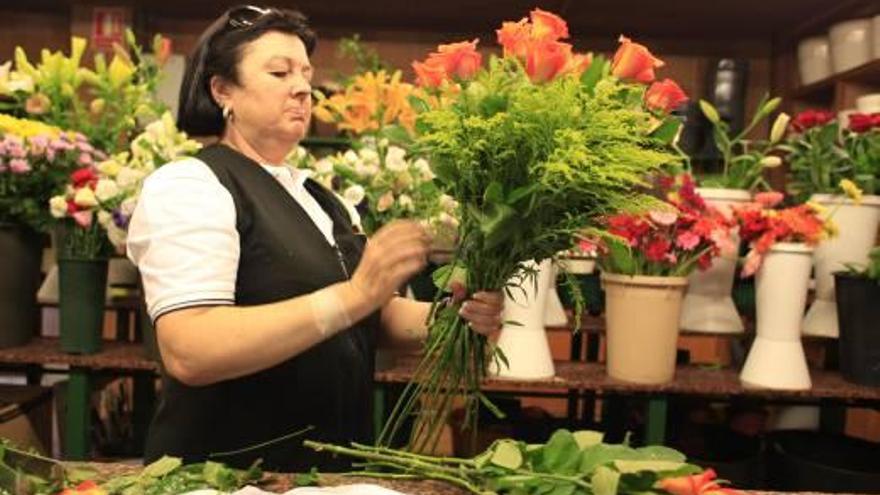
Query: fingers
x: 484, y: 312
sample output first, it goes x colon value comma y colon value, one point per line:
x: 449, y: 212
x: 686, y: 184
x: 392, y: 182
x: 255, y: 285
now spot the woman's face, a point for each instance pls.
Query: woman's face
x: 273, y: 97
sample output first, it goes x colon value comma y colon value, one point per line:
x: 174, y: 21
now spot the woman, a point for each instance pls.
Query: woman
x: 266, y: 302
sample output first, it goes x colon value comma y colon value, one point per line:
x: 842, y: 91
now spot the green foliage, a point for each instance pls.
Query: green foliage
x: 569, y: 463
x: 871, y: 270
x: 743, y: 160
x: 169, y: 476
x: 817, y: 162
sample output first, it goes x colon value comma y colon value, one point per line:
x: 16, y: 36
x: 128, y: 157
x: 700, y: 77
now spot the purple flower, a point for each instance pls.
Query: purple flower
x: 120, y: 219
x: 19, y: 166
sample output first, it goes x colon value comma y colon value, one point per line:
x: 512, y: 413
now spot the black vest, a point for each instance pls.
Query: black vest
x: 328, y: 387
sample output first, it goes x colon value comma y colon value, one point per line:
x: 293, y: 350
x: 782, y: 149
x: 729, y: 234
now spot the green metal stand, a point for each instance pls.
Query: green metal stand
x: 655, y: 428
x: 76, y: 416
x: 379, y: 398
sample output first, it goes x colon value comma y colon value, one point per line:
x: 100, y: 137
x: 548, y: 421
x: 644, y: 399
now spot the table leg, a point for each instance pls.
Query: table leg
x: 77, y: 416
x: 655, y: 427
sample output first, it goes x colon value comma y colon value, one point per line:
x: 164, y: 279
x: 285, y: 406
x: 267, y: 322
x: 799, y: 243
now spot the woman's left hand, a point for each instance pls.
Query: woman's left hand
x: 483, y: 311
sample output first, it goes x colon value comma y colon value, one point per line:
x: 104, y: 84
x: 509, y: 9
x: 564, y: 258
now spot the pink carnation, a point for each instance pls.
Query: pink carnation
x: 19, y: 166
x: 769, y: 199
x: 665, y: 218
x: 687, y: 240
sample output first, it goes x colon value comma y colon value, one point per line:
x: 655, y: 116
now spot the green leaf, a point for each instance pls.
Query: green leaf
x: 498, y: 225
x: 507, y: 455
x: 563, y: 488
x: 710, y: 112
x: 588, y: 438
x: 561, y: 454
x: 593, y: 74
x: 418, y: 104
x: 668, y: 130
x: 446, y: 275
x: 307, y: 479
x: 603, y: 454
x: 621, y: 257
x: 637, y: 466
x: 660, y: 453
x: 605, y: 481
x: 162, y: 466
x: 494, y: 193
x: 521, y: 192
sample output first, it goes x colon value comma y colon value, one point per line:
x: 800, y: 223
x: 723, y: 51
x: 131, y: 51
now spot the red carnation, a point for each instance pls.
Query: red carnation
x: 811, y: 118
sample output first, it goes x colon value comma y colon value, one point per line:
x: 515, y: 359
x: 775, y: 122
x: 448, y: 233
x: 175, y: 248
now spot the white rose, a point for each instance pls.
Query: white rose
x: 116, y: 235
x: 350, y: 156
x: 324, y: 166
x: 128, y: 177
x: 385, y: 202
x: 354, y: 194
x: 105, y: 218
x: 424, y: 169
x: 106, y: 189
x: 448, y: 203
x: 85, y: 198
x: 369, y: 156
x: 406, y: 202
x: 58, y: 206
x: 127, y: 206
x: 394, y: 159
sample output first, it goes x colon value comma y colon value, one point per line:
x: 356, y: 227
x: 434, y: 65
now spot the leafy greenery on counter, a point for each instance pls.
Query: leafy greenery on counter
x: 168, y: 476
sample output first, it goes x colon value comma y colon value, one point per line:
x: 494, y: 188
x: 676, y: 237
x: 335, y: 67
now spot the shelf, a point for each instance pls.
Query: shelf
x: 115, y: 356
x: 823, y: 91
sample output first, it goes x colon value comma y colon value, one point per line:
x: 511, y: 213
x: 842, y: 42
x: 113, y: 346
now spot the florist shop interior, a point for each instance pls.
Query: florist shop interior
x: 615, y: 246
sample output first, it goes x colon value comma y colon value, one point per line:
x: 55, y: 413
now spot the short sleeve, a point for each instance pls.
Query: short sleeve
x: 183, y: 239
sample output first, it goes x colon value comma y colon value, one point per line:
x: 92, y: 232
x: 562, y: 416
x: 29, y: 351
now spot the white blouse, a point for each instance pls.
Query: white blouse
x: 183, y: 239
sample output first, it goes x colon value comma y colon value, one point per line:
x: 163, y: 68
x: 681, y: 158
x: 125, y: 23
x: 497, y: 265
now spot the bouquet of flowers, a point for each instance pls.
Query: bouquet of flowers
x: 533, y: 145
x: 861, y: 140
x: 105, y: 104
x: 84, y: 198
x: 35, y: 162
x: 818, y: 162
x: 743, y: 160
x: 669, y: 242
x: 761, y: 225
x: 383, y: 183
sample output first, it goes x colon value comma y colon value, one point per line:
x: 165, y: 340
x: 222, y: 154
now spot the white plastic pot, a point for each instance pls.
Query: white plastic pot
x: 857, y: 226
x: 850, y: 44
x: 814, y: 59
x: 869, y: 103
x: 776, y: 359
x: 875, y: 28
x: 525, y: 344
x: 554, y: 315
x: 708, y: 305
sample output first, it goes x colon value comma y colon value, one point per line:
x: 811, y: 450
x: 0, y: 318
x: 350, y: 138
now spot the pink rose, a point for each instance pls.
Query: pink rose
x: 19, y: 166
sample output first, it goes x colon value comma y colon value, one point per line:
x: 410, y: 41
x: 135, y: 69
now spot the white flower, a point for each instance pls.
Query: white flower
x: 394, y: 159
x: 771, y: 161
x: 300, y: 153
x: 58, y: 206
x: 104, y: 218
x: 448, y: 203
x: 422, y: 166
x: 324, y: 166
x: 354, y: 194
x: 351, y: 157
x: 128, y: 177
x: 406, y: 202
x: 85, y: 198
x: 364, y: 170
x: 369, y: 156
x: 116, y: 235
x: 447, y: 219
x: 106, y: 189
x: 127, y: 206
x: 385, y: 202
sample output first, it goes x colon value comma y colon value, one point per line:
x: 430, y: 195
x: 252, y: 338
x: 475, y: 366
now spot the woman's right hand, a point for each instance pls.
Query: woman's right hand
x: 393, y: 255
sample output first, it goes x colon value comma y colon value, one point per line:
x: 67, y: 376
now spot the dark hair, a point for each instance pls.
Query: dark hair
x: 218, y: 53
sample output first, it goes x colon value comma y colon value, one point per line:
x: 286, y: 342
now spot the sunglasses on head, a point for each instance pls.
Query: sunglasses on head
x: 247, y: 16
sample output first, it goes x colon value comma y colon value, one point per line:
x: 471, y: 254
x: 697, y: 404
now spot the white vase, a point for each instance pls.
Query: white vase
x: 814, y: 59
x: 875, y: 27
x: 708, y: 305
x: 524, y: 344
x: 554, y: 314
x: 857, y: 226
x: 776, y: 359
x: 850, y: 44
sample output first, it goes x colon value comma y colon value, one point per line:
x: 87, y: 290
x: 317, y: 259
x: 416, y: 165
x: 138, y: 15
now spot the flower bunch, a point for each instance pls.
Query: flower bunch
x: 667, y: 242
x: 105, y: 104
x: 761, y: 225
x: 533, y: 144
x: 121, y: 177
x: 35, y: 161
x: 369, y: 103
x: 383, y: 183
x: 861, y: 141
x: 85, y: 197
x: 817, y: 160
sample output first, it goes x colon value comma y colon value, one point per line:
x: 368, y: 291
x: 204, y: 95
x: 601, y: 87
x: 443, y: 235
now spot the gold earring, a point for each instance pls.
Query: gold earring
x: 227, y: 113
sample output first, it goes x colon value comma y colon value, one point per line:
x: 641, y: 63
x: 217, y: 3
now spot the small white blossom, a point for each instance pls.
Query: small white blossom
x: 58, y: 206
x: 354, y: 194
x: 106, y: 189
x: 394, y: 159
x: 406, y: 202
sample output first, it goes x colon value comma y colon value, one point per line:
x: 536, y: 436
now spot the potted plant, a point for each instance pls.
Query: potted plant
x: 708, y: 304
x: 858, y: 311
x: 645, y: 263
x: 781, y: 242
x: 823, y: 156
x: 36, y: 161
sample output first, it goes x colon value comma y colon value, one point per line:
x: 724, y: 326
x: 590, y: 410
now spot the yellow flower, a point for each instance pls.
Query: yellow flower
x: 85, y: 198
x: 830, y: 229
x: 816, y: 207
x: 120, y: 71
x: 851, y: 190
x: 25, y: 128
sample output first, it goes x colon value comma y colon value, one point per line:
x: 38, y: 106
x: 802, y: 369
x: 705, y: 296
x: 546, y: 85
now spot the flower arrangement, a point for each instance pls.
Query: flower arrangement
x: 861, y: 141
x: 743, y: 160
x: 533, y: 145
x: 761, y: 225
x: 670, y: 242
x: 105, y: 104
x: 817, y: 161
x: 35, y: 162
x: 383, y: 183
x: 84, y: 198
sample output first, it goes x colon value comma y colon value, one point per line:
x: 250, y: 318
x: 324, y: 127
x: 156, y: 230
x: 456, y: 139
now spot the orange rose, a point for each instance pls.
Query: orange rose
x: 430, y: 74
x: 547, y: 59
x: 698, y: 484
x: 461, y: 60
x: 547, y: 26
x: 634, y: 61
x: 665, y: 96
x: 514, y: 38
x: 579, y: 63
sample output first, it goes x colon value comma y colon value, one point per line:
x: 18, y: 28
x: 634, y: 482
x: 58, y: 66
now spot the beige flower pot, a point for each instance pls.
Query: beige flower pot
x: 642, y: 315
